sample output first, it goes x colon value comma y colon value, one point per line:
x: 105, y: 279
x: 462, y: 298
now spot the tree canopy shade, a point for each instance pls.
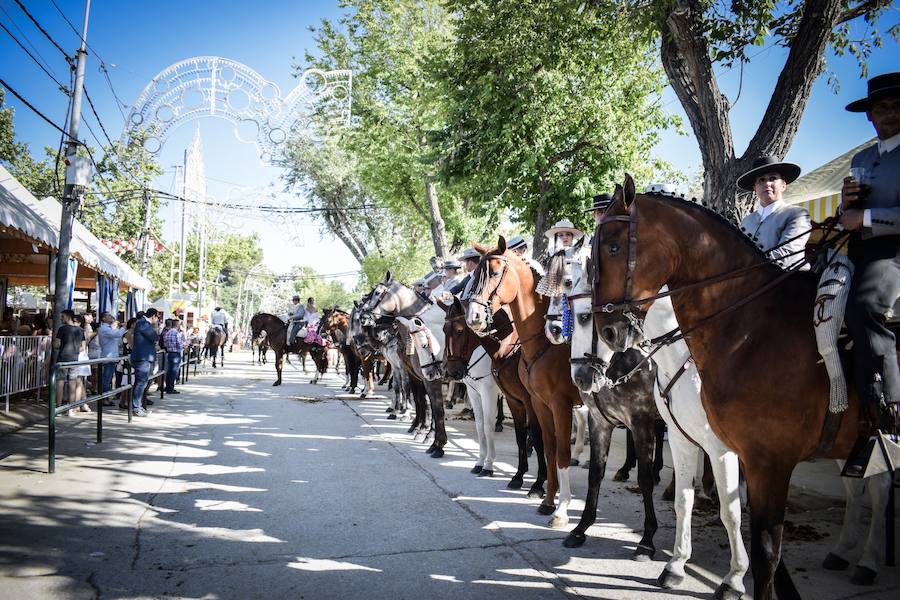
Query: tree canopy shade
x: 552, y: 101
x: 698, y: 34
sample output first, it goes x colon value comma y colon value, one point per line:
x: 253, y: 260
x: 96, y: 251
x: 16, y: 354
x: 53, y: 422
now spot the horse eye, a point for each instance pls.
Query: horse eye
x: 568, y: 283
x: 584, y: 317
x: 495, y: 273
x: 613, y: 249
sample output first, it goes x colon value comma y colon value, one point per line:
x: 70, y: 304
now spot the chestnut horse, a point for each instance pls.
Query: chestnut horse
x: 215, y: 343
x: 336, y: 323
x: 751, y: 337
x: 276, y: 333
x: 502, y: 347
x: 504, y: 279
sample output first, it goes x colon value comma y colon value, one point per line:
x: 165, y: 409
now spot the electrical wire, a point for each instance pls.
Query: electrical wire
x: 96, y: 116
x: 46, y: 71
x: 25, y: 37
x: 44, y: 31
x: 37, y: 112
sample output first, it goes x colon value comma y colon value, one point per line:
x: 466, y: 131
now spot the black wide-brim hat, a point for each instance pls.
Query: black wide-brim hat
x: 879, y: 87
x: 601, y: 202
x: 768, y: 164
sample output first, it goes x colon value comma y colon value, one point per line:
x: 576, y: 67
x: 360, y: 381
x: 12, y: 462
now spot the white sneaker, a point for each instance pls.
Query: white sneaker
x: 140, y: 412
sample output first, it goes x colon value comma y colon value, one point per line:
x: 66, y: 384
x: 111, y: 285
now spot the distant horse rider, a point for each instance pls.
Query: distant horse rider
x: 221, y: 319
x: 298, y: 319
x: 870, y: 208
x: 563, y: 235
x: 519, y: 247
x: 775, y: 223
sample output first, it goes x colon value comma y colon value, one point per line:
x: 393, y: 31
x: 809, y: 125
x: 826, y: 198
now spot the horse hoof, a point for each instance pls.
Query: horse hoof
x: 515, y: 483
x: 621, y: 475
x: 486, y: 473
x: 574, y: 462
x: 669, y: 580
x: 559, y: 521
x: 411, y: 428
x: 536, y: 491
x: 643, y: 554
x: 276, y: 383
x: 476, y: 470
x: 546, y: 509
x: 863, y: 576
x: 431, y: 448
x: 392, y: 417
x: 362, y: 396
x: 833, y: 562
x: 726, y: 592
x: 574, y: 540
x: 438, y: 453
x: 389, y: 409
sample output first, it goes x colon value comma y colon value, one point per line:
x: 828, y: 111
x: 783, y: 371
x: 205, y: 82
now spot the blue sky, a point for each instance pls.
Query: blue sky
x: 143, y: 38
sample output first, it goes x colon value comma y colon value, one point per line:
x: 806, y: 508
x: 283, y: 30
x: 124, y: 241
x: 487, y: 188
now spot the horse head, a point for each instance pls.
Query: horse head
x: 426, y: 346
x: 626, y: 270
x: 588, y: 360
x: 495, y: 283
x: 460, y: 341
x: 558, y: 284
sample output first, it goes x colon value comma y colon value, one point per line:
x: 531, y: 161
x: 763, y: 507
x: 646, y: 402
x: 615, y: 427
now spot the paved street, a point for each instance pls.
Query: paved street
x: 236, y: 489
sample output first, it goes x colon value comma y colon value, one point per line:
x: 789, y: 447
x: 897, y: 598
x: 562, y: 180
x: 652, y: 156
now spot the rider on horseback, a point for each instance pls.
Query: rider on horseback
x: 220, y: 319
x: 298, y: 319
x: 780, y: 229
x: 870, y: 208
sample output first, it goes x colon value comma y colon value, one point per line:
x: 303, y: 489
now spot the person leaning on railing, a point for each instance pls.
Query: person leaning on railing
x: 69, y: 343
x: 173, y: 341
x: 143, y: 355
x: 110, y: 338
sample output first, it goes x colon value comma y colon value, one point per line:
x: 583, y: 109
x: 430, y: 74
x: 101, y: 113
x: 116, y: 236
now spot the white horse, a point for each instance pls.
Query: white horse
x: 683, y: 412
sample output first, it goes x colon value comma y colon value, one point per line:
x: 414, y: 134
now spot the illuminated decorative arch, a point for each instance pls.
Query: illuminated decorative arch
x: 211, y: 86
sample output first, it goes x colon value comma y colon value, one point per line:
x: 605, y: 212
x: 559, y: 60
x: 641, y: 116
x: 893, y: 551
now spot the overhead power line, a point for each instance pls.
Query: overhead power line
x: 62, y: 87
x: 44, y: 31
x: 36, y: 111
x: 26, y: 38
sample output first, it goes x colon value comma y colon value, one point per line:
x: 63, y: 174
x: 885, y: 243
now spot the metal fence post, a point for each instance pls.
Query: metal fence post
x: 100, y: 409
x: 51, y: 424
x: 130, y: 392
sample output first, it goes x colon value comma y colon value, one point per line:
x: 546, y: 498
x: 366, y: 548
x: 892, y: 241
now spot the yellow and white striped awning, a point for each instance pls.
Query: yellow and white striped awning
x: 822, y: 208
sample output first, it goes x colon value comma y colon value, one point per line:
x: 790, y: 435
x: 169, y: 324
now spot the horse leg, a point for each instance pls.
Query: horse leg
x: 659, y: 428
x: 767, y: 489
x: 600, y: 432
x: 708, y: 478
x: 645, y: 446
x: 498, y: 425
x: 873, y: 550
x: 562, y: 420
x: 489, y: 393
x: 727, y: 473
x: 548, y: 437
x: 437, y: 413
x: 520, y: 426
x: 537, y: 442
x: 581, y: 418
x: 624, y: 471
x: 279, y: 363
x: 684, y: 457
x: 478, y: 413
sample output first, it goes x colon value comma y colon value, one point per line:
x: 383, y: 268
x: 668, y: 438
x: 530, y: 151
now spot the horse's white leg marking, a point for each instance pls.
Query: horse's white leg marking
x: 489, y: 393
x: 726, y: 470
x: 581, y: 414
x: 850, y: 528
x: 684, y: 456
x: 873, y: 552
x: 561, y: 515
x: 473, y: 393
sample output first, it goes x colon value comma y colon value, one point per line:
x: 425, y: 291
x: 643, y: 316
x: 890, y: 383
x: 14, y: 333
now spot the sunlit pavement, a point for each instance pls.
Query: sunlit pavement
x: 237, y: 489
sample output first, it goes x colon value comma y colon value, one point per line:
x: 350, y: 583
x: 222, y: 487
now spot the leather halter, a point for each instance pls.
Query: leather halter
x: 591, y: 359
x: 475, y: 293
x: 626, y: 303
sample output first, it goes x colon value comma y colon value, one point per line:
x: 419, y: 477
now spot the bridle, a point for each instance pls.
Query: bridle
x: 451, y: 355
x: 477, y: 291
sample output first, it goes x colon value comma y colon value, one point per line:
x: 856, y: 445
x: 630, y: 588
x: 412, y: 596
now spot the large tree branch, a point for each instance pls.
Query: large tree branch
x: 859, y: 10
x: 685, y: 58
x: 804, y: 63
x: 578, y: 147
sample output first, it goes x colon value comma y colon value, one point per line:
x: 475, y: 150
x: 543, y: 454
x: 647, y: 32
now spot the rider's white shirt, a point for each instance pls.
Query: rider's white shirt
x: 220, y: 318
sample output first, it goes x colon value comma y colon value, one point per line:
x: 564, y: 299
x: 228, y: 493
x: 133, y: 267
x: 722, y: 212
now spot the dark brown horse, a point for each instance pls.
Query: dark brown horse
x: 504, y: 279
x: 336, y: 324
x: 502, y: 348
x: 216, y: 341
x: 276, y: 333
x: 765, y: 390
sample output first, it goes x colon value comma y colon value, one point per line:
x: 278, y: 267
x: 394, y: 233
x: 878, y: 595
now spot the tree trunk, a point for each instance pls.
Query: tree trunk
x: 438, y: 232
x: 686, y: 60
x: 539, y: 242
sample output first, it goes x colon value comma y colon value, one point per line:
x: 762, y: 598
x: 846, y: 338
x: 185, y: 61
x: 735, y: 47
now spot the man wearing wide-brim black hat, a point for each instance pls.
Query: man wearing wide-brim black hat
x: 870, y: 208
x: 781, y: 230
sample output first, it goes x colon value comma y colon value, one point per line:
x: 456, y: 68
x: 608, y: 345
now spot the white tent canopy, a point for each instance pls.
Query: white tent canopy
x: 39, y: 221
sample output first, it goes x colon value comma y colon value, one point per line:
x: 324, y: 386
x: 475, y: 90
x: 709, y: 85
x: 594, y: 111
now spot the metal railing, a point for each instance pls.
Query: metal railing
x: 24, y: 364
x: 127, y: 384
x: 190, y: 356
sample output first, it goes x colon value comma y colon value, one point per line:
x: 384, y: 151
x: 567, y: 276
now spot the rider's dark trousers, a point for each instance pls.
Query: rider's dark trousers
x: 876, y: 283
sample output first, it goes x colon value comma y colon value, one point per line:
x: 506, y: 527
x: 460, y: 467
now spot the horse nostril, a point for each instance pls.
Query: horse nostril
x: 555, y: 329
x: 609, y: 334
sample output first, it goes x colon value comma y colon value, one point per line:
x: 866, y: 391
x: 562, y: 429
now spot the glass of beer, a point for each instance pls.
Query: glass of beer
x: 862, y: 176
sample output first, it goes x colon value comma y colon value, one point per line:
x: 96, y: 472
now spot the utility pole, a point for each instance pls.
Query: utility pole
x: 144, y: 241
x: 71, y: 195
x: 182, y: 249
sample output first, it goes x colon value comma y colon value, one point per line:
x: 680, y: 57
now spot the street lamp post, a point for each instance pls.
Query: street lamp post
x: 240, y: 307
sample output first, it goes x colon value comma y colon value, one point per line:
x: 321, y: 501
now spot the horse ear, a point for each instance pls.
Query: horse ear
x: 501, y: 244
x: 445, y: 307
x: 457, y: 303
x: 628, y: 192
x: 388, y: 277
x: 356, y: 304
x: 480, y: 249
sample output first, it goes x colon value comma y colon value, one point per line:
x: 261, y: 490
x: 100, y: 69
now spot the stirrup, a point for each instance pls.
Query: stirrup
x: 881, y: 454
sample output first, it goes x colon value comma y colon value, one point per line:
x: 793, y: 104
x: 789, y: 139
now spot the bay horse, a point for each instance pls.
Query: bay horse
x: 504, y: 279
x: 502, y: 346
x: 676, y: 394
x: 260, y: 347
x: 336, y: 323
x: 393, y: 299
x: 750, y: 336
x: 276, y: 333
x: 215, y: 343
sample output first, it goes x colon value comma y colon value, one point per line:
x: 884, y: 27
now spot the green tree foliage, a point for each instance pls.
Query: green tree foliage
x: 552, y: 102
x: 40, y: 177
x: 308, y: 283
